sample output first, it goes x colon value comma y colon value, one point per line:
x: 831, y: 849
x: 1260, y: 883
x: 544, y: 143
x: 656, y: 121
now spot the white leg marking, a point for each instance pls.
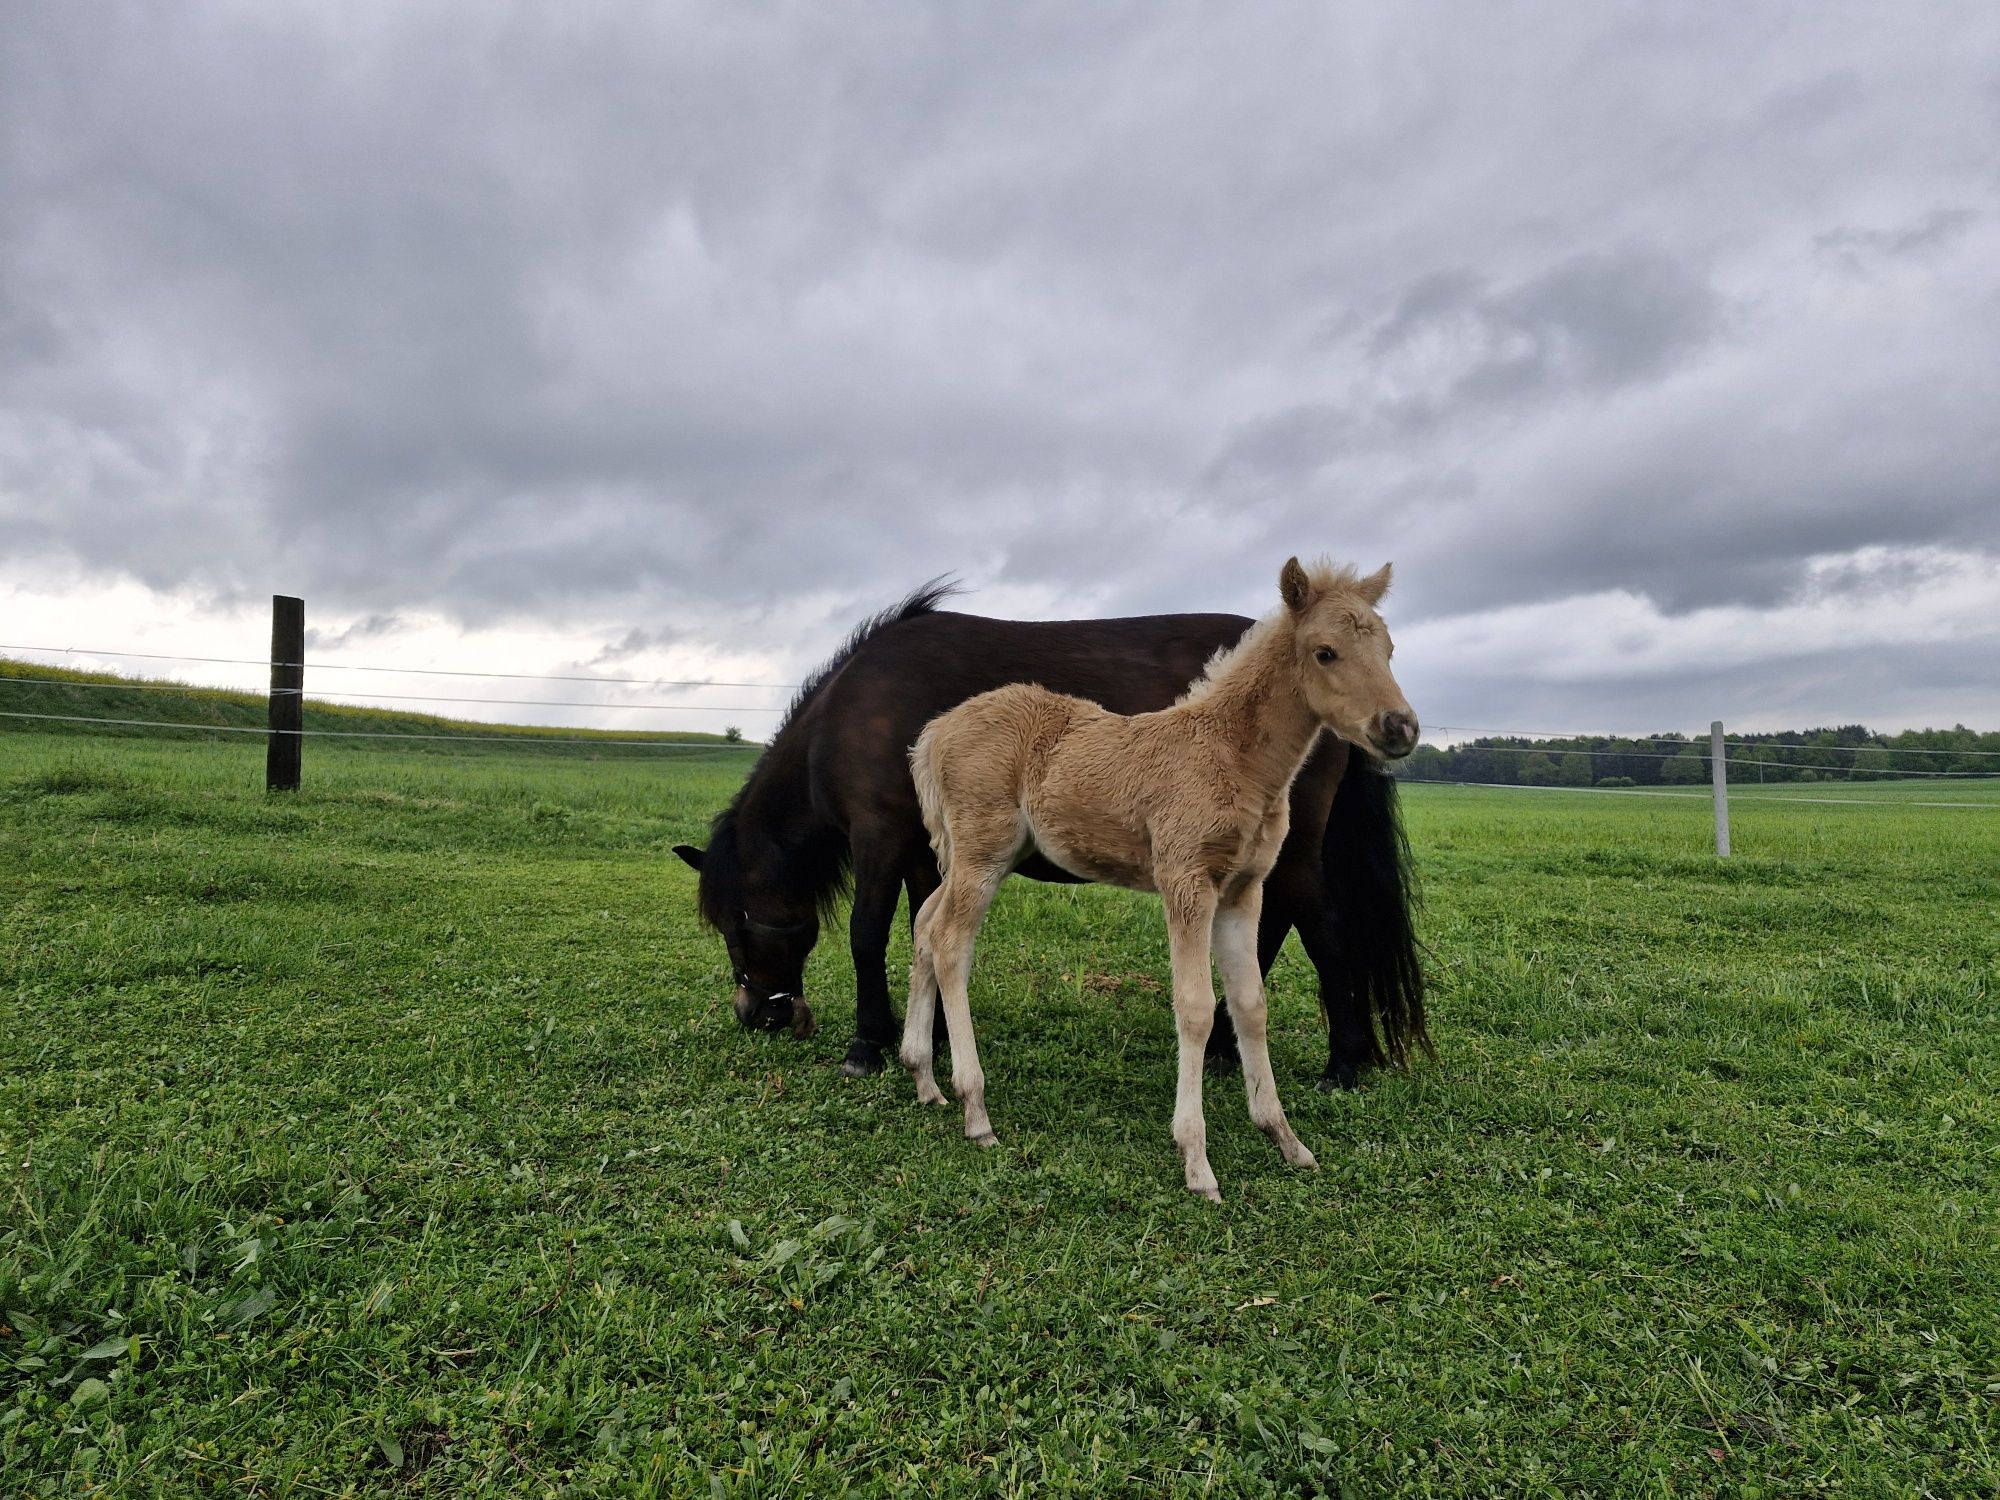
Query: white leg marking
x: 919, y: 1046
x: 1243, y: 987
x: 952, y: 953
x: 1194, y: 1016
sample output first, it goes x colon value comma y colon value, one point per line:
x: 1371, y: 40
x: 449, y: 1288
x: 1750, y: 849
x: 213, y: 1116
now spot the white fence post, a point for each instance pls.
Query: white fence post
x: 1720, y: 766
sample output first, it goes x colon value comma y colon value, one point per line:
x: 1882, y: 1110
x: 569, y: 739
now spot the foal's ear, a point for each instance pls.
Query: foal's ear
x: 1375, y: 585
x: 690, y: 855
x: 1294, y: 587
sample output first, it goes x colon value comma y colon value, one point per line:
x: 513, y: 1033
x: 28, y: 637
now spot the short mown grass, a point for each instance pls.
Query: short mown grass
x: 394, y: 1137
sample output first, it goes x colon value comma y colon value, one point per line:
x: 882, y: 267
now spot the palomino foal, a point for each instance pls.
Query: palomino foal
x: 1191, y: 802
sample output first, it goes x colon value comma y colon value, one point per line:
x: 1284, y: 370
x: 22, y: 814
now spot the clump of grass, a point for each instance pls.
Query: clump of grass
x: 71, y: 778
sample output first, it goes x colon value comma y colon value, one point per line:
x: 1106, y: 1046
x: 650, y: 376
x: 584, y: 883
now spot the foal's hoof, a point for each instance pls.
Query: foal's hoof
x: 1211, y: 1192
x: 863, y: 1058
x: 929, y: 1093
x: 985, y: 1140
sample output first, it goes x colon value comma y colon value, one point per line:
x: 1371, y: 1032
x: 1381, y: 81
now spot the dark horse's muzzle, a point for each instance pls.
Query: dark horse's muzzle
x: 774, y: 1010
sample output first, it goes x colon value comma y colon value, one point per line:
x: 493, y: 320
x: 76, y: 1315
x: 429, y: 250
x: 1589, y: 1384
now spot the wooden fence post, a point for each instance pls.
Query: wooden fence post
x: 1719, y: 765
x: 288, y: 687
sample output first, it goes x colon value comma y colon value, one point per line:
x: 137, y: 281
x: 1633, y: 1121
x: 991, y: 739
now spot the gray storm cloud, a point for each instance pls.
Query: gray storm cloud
x: 648, y: 316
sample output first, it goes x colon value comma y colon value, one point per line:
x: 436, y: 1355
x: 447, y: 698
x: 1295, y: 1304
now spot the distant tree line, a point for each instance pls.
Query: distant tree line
x: 1850, y: 752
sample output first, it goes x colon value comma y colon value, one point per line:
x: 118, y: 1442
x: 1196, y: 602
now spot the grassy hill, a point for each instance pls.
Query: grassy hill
x: 217, y: 714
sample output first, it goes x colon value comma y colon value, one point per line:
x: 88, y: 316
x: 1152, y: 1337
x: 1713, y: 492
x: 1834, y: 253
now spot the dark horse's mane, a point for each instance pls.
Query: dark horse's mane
x: 924, y: 600
x: 817, y: 864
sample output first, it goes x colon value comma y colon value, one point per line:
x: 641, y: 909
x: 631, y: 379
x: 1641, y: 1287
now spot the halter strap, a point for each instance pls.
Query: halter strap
x: 779, y: 929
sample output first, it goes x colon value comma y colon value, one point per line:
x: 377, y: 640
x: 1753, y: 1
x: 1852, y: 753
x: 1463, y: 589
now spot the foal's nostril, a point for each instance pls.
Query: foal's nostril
x: 1399, y: 733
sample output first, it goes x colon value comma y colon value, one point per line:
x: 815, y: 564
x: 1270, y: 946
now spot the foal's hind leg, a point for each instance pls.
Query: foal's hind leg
x: 919, y: 1043
x: 1243, y: 984
x: 962, y: 902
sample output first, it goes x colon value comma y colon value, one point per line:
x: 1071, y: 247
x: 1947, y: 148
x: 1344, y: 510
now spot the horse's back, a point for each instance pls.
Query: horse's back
x: 865, y: 719
x: 905, y: 675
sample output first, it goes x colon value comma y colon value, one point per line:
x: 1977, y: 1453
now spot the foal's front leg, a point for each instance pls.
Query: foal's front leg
x: 1190, y: 914
x: 1243, y: 984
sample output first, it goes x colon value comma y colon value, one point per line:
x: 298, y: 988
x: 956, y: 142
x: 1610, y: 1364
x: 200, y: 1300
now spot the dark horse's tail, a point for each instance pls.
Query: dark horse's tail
x: 1366, y: 861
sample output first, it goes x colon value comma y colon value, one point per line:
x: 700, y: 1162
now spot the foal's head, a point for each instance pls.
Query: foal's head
x: 1342, y: 651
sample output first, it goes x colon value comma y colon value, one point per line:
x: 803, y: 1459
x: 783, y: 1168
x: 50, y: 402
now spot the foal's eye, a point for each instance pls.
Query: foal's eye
x: 1326, y: 656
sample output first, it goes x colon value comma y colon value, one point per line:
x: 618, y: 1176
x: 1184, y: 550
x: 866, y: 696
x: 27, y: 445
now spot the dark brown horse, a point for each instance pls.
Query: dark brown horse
x: 830, y: 805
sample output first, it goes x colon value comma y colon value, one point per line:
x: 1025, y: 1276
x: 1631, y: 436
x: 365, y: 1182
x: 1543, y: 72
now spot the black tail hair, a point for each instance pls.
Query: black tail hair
x: 1372, y: 890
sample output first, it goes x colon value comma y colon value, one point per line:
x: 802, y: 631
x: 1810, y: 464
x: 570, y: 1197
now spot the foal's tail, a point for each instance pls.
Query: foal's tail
x: 1366, y: 861
x: 930, y: 795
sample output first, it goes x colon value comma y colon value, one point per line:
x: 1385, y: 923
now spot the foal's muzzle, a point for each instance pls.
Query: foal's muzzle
x: 1394, y: 734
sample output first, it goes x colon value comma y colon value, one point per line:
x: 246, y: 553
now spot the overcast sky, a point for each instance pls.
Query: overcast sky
x: 1658, y: 345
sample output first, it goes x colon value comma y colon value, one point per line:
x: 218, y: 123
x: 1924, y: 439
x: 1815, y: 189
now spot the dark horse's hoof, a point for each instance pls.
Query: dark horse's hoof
x: 1339, y: 1077
x: 1220, y: 1055
x: 863, y: 1058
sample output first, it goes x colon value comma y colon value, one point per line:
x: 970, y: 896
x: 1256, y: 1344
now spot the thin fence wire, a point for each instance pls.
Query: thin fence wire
x: 348, y: 666
x: 259, y: 692
x: 394, y: 734
x: 684, y: 708
x: 1733, y: 761
x: 124, y: 686
x: 1641, y: 739
x: 1735, y: 796
x: 233, y: 661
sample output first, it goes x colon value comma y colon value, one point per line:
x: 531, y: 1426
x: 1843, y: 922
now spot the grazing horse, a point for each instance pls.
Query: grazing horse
x: 1191, y: 801
x: 830, y: 803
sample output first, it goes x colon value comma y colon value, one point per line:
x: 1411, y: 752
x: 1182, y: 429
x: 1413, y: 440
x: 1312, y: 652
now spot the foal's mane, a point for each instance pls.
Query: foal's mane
x: 817, y: 863
x: 1325, y: 578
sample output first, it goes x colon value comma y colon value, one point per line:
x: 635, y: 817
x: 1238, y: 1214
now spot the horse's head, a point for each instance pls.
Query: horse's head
x: 1343, y: 652
x: 768, y: 937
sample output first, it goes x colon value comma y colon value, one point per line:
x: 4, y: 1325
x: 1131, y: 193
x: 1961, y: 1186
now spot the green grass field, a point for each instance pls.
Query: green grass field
x: 394, y: 1137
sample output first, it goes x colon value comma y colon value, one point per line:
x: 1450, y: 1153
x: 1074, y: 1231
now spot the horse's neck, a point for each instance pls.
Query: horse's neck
x: 776, y: 803
x: 1255, y: 709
